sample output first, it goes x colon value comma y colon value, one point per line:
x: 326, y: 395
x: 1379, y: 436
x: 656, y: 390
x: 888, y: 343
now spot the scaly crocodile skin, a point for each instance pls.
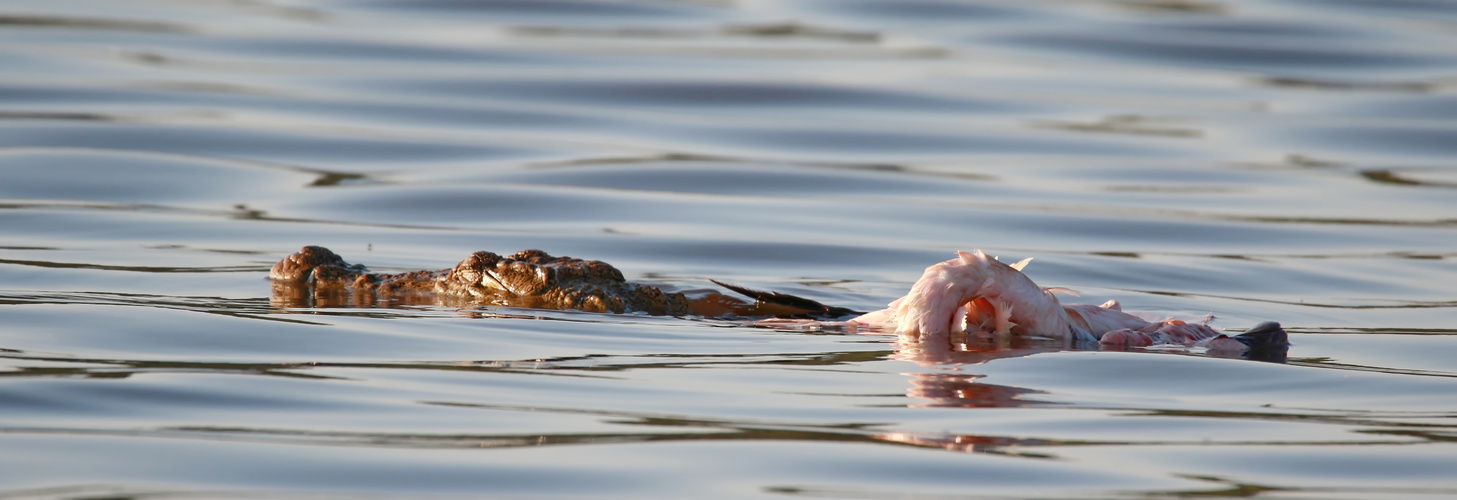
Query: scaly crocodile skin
x: 529, y: 278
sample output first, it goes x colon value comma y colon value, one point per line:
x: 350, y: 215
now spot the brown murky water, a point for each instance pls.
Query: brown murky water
x: 1289, y: 160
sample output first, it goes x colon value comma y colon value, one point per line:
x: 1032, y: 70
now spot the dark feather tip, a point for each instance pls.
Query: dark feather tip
x: 810, y: 307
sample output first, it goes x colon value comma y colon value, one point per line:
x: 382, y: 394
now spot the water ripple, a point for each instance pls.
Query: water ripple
x: 1285, y: 161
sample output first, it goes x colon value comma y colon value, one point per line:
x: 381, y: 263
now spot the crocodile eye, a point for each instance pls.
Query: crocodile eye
x: 490, y: 280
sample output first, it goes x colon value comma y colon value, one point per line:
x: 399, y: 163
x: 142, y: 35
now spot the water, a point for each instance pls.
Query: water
x: 1288, y: 160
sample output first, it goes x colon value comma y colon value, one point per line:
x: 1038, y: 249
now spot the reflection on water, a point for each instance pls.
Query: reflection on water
x: 1285, y: 161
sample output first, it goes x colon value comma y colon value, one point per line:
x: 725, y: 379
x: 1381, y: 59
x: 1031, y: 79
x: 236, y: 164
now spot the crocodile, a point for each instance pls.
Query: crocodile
x: 316, y: 276
x: 972, y: 292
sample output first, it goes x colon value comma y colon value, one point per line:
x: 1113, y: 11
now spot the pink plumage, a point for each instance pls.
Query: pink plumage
x: 977, y: 292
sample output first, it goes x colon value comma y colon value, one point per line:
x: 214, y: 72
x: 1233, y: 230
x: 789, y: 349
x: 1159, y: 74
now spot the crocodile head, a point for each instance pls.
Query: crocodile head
x: 529, y: 278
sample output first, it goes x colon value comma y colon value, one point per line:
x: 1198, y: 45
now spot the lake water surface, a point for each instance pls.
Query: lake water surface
x: 1288, y: 160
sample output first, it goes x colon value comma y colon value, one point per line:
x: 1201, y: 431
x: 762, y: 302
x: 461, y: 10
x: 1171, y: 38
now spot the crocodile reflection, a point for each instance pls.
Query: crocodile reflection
x: 944, y: 388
